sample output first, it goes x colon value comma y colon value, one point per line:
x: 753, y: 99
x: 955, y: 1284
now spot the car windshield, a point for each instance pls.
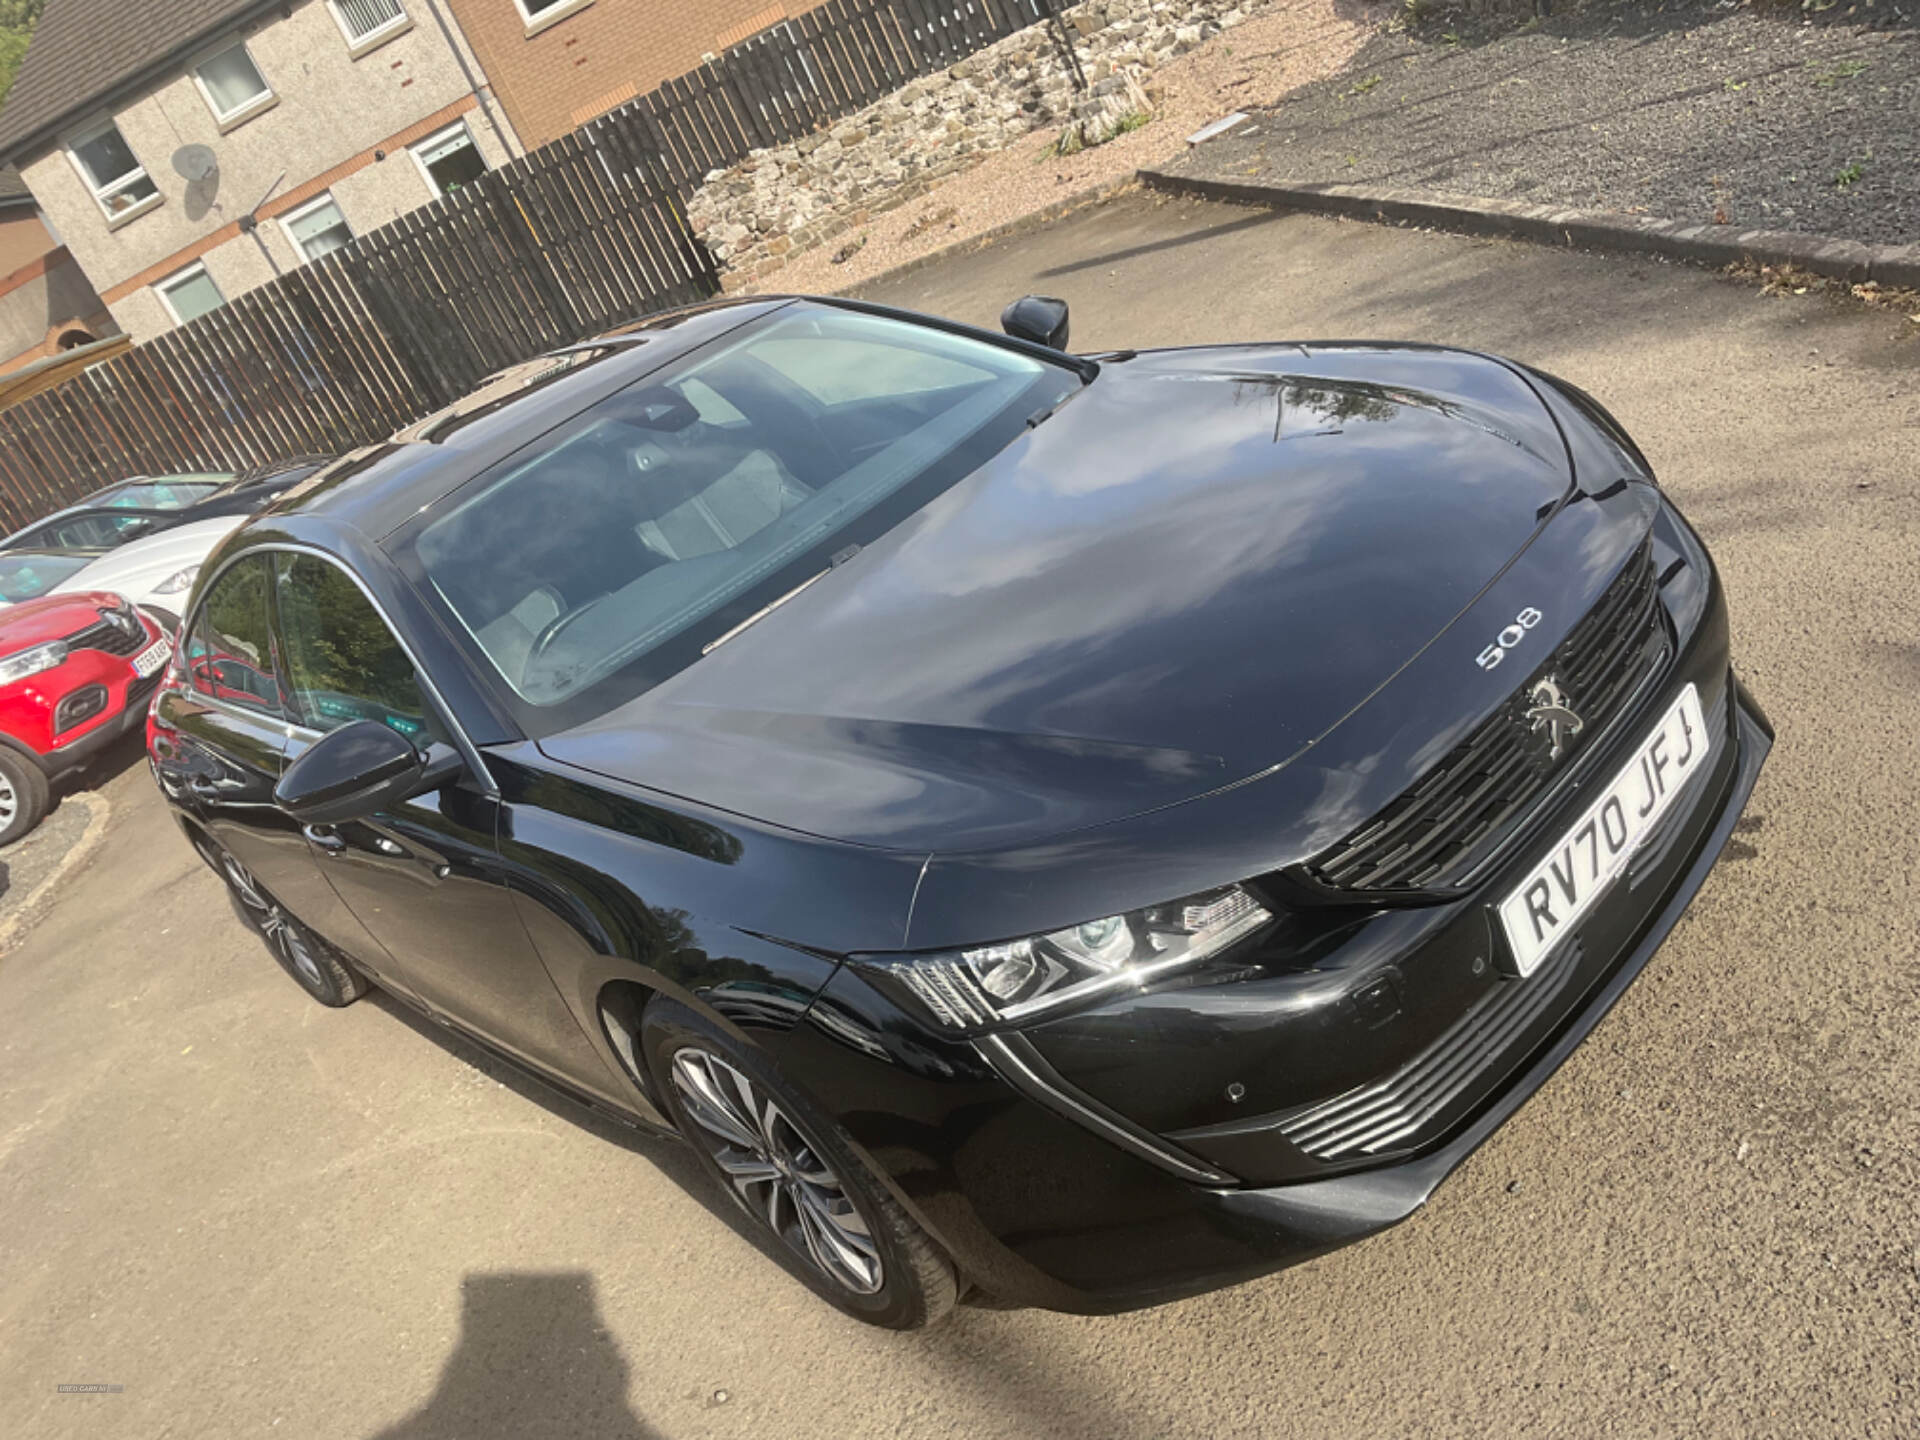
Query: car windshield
x: 166, y: 492
x: 28, y: 577
x: 100, y: 529
x: 674, y: 510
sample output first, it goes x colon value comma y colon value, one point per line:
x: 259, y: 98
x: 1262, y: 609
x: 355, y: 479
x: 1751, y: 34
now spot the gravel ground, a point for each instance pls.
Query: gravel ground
x: 1690, y: 111
x: 1256, y: 63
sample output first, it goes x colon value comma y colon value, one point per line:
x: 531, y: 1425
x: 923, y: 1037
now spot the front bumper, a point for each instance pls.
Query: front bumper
x: 129, y: 716
x: 1047, y: 1204
x: 35, y: 703
x: 1290, y: 1223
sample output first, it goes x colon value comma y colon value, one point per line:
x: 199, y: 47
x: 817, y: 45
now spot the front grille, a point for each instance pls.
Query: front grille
x: 1444, y: 824
x: 1413, y: 1104
x: 109, y: 637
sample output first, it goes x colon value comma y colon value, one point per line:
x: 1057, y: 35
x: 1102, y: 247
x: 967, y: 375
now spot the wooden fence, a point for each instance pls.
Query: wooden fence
x: 551, y: 248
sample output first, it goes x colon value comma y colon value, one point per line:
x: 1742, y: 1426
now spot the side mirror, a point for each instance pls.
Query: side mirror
x: 358, y: 769
x: 1039, y: 318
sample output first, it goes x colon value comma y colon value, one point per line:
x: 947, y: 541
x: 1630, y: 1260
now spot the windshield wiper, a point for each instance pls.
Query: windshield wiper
x: 762, y: 613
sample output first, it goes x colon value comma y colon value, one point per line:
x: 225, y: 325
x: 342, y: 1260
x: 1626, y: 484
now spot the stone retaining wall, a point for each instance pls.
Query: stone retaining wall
x: 789, y: 198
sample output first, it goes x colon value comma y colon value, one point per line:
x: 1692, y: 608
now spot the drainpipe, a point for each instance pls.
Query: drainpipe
x: 249, y: 223
x: 474, y: 82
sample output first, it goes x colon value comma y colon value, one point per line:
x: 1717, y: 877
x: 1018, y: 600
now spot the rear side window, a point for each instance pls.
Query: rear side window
x: 228, y: 657
x: 343, y: 663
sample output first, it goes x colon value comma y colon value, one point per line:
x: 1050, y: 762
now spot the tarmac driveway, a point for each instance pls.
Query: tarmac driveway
x: 260, y: 1217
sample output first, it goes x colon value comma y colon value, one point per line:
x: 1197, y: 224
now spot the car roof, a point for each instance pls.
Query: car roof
x: 378, y: 488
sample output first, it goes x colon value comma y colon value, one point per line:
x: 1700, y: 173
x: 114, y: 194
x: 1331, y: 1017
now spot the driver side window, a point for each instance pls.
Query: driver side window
x: 343, y: 663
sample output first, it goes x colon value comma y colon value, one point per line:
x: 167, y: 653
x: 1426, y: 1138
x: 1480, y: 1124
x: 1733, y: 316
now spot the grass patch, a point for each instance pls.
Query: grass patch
x: 1852, y: 172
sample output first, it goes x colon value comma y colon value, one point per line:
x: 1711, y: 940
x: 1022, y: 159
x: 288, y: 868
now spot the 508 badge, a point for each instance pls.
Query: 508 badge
x: 1508, y: 638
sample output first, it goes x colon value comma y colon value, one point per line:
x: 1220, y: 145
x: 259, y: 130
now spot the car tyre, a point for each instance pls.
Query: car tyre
x: 24, y: 795
x: 314, y: 965
x: 794, y: 1173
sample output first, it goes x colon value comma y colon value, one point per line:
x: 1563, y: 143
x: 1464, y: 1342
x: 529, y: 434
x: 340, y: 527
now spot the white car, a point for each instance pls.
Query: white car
x: 155, y: 573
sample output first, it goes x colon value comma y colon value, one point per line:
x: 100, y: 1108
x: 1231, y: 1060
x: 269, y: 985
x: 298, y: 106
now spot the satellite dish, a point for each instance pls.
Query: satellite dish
x: 195, y: 162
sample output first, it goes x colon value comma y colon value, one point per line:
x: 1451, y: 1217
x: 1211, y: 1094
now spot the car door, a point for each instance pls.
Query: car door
x: 424, y: 878
x: 227, y: 733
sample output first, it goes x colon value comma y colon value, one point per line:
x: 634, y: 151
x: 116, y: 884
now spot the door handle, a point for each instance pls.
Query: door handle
x: 325, y: 838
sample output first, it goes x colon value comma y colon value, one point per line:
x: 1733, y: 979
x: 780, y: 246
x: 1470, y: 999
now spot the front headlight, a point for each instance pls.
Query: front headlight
x: 175, y: 583
x: 1020, y: 979
x: 32, y: 662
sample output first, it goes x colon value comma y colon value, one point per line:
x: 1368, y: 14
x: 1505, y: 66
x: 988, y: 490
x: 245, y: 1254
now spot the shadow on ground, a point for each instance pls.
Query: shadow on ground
x: 534, y: 1360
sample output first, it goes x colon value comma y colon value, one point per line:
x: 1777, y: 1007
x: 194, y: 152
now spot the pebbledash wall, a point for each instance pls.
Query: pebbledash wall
x: 783, y: 200
x: 339, y: 121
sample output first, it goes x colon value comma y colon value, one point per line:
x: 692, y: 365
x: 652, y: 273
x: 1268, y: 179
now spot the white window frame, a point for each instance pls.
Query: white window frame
x: 427, y: 142
x: 100, y: 192
x: 552, y: 15
x: 267, y: 98
x: 306, y: 208
x: 359, y: 45
x: 198, y: 267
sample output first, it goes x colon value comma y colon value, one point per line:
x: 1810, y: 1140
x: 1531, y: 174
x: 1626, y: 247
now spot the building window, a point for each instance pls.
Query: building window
x: 365, y: 21
x: 449, y: 159
x: 317, y: 227
x: 106, y: 163
x: 232, y: 84
x: 534, y: 11
x: 190, y: 293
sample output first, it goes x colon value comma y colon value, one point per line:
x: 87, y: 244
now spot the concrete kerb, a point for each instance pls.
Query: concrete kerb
x: 22, y: 915
x: 1714, y: 245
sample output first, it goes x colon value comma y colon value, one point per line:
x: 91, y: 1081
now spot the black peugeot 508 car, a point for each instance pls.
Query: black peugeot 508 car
x: 1084, y: 829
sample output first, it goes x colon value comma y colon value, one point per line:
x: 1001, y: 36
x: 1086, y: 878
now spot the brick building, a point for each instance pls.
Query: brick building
x: 47, y: 304
x: 556, y: 64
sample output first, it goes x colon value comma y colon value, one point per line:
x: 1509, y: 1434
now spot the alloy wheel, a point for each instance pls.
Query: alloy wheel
x: 775, y: 1171
x: 9, y: 802
x: 279, y: 928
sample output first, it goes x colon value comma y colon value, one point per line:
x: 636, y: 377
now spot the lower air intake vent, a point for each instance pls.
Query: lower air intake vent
x: 1414, y: 1102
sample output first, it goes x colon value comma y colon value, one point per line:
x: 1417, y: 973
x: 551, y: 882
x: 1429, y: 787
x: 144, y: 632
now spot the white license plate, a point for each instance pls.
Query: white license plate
x: 1544, y: 907
x: 149, y: 660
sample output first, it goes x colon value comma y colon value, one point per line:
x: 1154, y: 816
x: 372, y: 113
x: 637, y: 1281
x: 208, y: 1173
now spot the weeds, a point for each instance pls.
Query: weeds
x: 1849, y: 174
x: 1411, y: 13
x: 927, y: 222
x: 1073, y: 140
x: 1845, y: 70
x: 1783, y: 281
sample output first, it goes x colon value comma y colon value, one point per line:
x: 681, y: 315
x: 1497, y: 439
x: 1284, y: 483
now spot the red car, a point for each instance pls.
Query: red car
x: 76, y: 673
